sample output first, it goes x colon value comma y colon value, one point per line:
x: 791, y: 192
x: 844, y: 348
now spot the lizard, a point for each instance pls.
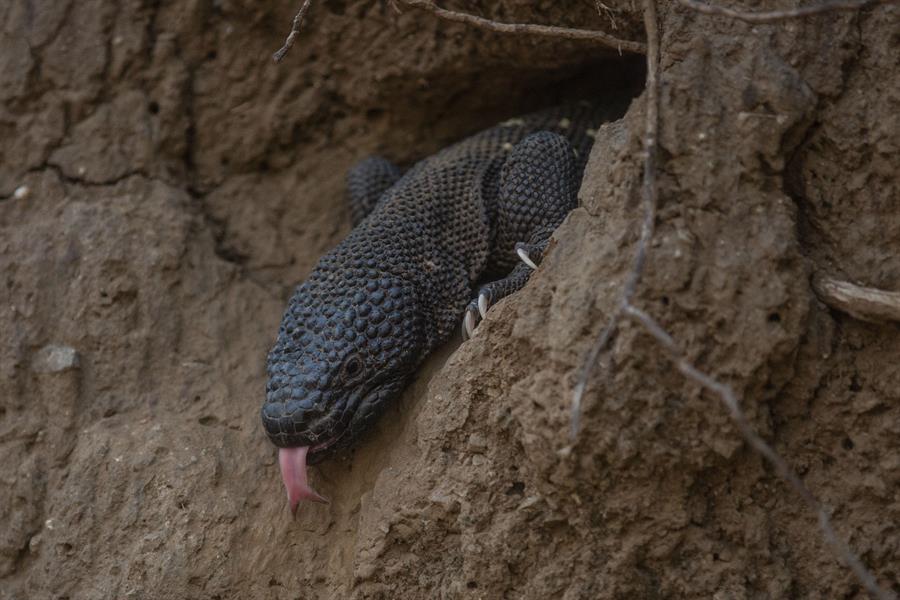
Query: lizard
x: 431, y: 247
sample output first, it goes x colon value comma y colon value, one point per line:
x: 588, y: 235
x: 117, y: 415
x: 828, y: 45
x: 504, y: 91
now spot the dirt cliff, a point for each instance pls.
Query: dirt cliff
x: 163, y: 186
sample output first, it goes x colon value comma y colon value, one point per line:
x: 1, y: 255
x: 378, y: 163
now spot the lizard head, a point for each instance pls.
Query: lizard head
x: 348, y: 342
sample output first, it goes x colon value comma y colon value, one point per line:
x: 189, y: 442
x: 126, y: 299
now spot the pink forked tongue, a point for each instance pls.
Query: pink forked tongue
x: 293, y: 472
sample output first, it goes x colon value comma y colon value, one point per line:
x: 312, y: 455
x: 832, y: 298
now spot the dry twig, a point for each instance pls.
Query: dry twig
x: 604, y: 39
x: 648, y: 193
x: 781, y: 15
x: 863, y: 303
x: 598, y: 37
x: 604, y: 9
x: 295, y: 30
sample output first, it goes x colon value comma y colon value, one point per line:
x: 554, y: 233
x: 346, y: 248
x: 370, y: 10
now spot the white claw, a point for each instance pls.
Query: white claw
x: 468, y: 325
x: 525, y: 258
x: 482, y: 304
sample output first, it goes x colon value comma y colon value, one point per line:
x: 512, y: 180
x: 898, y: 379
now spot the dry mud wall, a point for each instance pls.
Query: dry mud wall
x: 162, y: 187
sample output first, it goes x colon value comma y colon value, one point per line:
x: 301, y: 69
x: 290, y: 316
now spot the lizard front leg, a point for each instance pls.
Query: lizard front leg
x: 538, y: 188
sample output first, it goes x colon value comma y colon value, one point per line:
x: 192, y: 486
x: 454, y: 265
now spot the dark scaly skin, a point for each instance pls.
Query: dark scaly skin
x: 397, y: 286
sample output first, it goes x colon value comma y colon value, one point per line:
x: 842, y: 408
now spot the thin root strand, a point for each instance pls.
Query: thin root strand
x: 775, y: 16
x: 295, y: 31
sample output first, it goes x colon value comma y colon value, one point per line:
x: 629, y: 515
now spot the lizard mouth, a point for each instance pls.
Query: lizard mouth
x: 322, y: 433
x: 319, y: 446
x: 341, y: 433
x: 320, y: 450
x: 324, y: 445
x: 308, y: 447
x: 294, y: 462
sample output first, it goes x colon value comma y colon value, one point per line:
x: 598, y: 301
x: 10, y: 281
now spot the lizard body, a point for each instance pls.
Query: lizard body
x: 481, y: 211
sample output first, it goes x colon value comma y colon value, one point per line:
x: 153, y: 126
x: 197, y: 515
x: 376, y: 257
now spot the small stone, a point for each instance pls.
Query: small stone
x: 22, y: 192
x: 442, y: 499
x: 53, y: 359
x: 477, y: 442
x: 34, y: 544
x: 528, y: 502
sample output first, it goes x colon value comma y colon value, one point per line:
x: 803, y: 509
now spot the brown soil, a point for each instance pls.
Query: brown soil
x: 163, y: 186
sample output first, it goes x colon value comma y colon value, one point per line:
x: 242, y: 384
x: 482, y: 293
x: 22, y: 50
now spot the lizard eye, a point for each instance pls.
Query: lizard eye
x: 352, y: 368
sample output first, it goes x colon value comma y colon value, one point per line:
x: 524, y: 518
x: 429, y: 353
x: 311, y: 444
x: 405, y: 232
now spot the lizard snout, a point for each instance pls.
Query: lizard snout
x: 292, y: 423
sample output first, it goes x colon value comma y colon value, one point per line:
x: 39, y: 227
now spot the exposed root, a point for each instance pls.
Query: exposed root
x: 598, y: 37
x: 603, y: 9
x: 295, y: 31
x: 649, y: 195
x: 781, y: 15
x: 604, y: 39
x: 863, y: 303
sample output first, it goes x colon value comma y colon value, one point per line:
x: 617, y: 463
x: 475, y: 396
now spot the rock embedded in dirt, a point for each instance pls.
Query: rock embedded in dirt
x: 53, y: 359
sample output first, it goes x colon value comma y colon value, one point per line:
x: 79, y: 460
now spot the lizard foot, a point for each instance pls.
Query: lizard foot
x: 491, y: 293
